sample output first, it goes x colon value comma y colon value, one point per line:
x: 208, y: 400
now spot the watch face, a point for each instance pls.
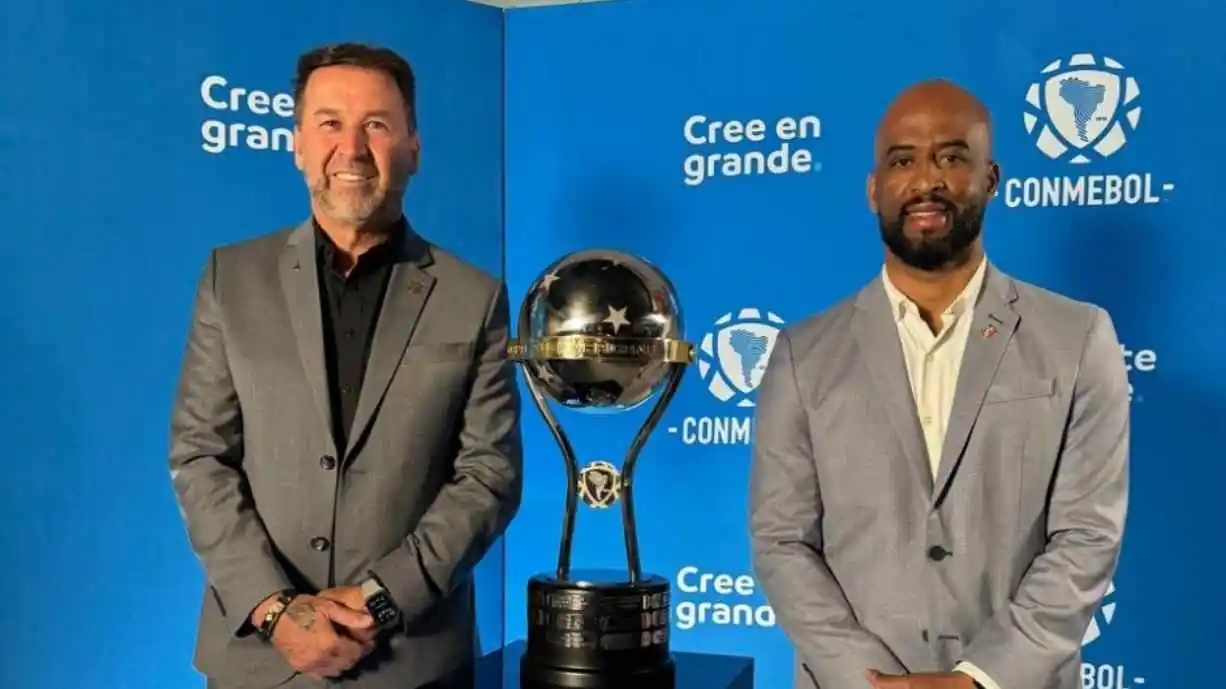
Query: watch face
x: 381, y: 609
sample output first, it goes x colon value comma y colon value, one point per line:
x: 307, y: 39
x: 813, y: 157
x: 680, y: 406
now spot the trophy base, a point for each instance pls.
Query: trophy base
x: 598, y: 631
x: 556, y: 678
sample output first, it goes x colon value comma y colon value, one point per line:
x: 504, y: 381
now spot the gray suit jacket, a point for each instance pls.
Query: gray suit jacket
x: 1002, y: 560
x: 430, y: 479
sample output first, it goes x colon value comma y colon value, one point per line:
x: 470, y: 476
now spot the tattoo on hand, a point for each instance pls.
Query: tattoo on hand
x: 302, y: 612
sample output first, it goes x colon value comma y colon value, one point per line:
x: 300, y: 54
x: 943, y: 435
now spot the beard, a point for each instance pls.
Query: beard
x: 349, y: 203
x: 930, y: 253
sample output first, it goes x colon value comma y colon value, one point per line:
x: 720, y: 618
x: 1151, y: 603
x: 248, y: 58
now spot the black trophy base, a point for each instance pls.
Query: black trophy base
x: 596, y: 630
x: 533, y: 676
x: 501, y: 669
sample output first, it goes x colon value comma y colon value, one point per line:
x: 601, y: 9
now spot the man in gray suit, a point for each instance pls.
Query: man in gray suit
x: 940, y: 466
x: 345, y: 442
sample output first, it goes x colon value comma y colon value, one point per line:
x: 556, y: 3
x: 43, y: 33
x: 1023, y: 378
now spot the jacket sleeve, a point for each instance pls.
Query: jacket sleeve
x: 206, y: 469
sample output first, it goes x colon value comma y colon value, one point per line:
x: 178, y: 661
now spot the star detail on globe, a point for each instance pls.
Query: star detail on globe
x: 617, y: 318
x: 547, y: 281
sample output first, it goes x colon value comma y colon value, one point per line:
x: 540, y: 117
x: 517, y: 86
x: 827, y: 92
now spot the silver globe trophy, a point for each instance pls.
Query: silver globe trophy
x: 600, y: 332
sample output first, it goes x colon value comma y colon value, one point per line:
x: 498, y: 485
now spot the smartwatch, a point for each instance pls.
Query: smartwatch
x: 379, y: 603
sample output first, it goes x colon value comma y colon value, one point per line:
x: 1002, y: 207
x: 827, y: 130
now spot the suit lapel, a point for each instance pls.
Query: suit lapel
x: 407, y: 291
x: 876, y: 334
x: 992, y: 329
x: 300, y: 283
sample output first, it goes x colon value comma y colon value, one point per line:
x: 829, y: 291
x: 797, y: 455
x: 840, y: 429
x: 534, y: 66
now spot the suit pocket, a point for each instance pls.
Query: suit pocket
x: 238, y: 662
x: 809, y: 673
x: 1020, y: 389
x: 437, y: 351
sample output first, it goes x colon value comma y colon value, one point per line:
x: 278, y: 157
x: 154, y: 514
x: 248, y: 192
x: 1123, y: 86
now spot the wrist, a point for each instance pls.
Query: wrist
x: 266, y: 615
x: 379, y: 602
x: 258, y: 613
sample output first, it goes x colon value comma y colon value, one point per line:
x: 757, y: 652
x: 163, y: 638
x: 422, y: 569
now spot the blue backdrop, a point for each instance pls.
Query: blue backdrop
x: 130, y: 161
x: 601, y: 151
x: 128, y: 169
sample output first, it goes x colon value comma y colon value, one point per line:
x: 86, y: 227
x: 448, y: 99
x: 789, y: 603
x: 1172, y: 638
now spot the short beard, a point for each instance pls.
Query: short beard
x: 356, y: 208
x: 934, y: 253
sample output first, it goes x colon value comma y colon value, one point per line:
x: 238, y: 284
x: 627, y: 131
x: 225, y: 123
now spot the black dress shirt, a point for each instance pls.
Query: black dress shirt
x: 350, y: 307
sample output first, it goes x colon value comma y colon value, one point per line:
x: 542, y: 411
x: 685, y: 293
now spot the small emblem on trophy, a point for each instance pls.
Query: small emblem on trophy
x: 600, y: 484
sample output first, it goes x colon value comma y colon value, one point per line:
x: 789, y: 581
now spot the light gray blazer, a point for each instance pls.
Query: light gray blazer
x: 430, y: 479
x: 1003, y: 561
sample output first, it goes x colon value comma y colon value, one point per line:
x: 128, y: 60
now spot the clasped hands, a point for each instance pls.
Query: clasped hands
x: 326, y: 634
x: 936, y: 680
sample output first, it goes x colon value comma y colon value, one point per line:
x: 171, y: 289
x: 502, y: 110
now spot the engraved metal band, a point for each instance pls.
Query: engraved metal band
x: 581, y: 347
x: 273, y: 615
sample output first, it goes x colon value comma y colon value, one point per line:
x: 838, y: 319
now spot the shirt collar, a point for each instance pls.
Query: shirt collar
x: 385, y: 253
x: 965, y: 300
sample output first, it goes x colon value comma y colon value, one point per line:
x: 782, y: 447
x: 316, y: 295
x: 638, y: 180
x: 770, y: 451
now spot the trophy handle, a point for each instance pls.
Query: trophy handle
x: 676, y: 372
x: 572, y: 472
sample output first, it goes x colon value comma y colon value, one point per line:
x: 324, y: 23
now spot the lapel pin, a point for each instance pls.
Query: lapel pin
x: 415, y: 287
x: 988, y: 332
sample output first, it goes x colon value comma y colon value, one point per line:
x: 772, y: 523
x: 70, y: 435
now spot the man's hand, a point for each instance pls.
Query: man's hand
x: 935, y: 680
x: 351, y: 597
x: 305, y: 636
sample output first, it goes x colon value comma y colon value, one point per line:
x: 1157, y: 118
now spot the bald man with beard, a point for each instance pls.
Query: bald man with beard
x: 940, y: 465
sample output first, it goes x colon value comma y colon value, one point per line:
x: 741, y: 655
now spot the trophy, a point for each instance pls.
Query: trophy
x: 600, y: 332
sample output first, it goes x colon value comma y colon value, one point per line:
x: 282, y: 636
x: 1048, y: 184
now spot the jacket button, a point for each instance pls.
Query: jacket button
x: 319, y: 543
x: 936, y: 553
x: 328, y: 462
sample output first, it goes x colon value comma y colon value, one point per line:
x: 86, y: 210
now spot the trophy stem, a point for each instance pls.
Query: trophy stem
x: 572, y: 475
x: 675, y: 374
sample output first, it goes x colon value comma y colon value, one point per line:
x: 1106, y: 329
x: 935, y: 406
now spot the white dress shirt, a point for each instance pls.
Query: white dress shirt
x: 933, y: 361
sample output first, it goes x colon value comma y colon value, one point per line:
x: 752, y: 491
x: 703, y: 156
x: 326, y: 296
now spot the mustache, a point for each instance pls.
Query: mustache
x: 931, y: 200
x: 359, y: 163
